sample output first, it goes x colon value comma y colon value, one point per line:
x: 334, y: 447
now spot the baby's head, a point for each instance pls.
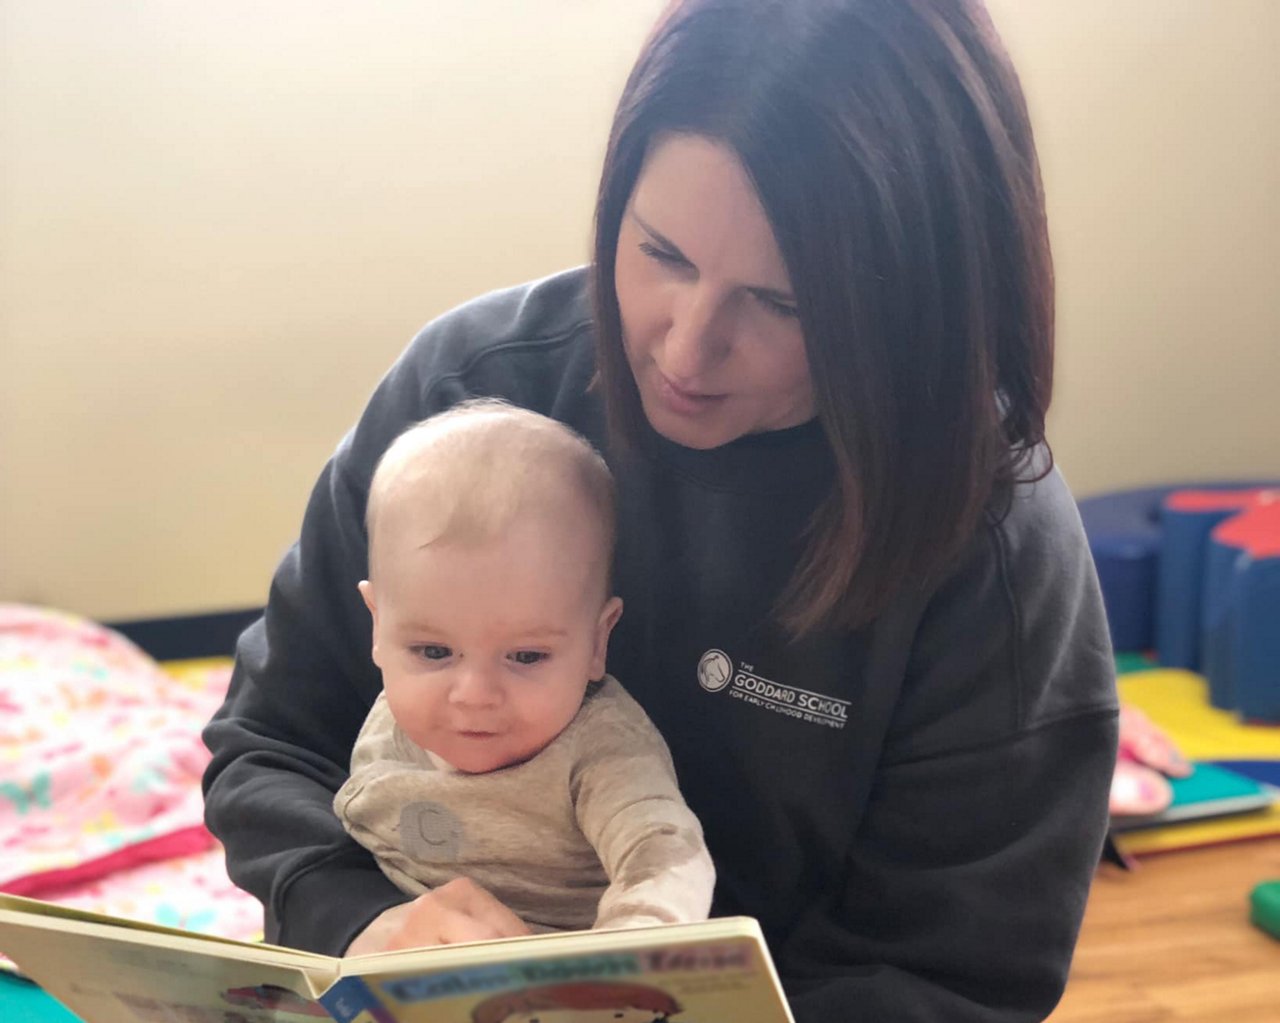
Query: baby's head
x: 491, y: 533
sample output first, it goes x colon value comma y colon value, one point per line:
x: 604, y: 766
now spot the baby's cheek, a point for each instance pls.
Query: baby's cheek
x: 411, y: 708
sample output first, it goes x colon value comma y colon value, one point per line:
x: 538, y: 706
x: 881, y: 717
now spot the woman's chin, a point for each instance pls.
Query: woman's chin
x: 701, y: 431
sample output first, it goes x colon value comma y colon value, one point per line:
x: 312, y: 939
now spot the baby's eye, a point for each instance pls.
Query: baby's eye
x: 527, y: 657
x: 432, y: 652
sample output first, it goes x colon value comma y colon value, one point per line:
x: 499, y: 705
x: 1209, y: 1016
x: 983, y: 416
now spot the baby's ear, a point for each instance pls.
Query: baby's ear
x: 366, y: 591
x: 609, y: 615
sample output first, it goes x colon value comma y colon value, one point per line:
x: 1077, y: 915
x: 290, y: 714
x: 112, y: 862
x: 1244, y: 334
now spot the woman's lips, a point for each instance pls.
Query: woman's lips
x: 684, y: 402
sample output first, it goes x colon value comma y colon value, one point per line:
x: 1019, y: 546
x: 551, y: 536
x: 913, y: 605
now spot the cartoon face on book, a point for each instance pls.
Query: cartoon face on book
x: 583, y: 1002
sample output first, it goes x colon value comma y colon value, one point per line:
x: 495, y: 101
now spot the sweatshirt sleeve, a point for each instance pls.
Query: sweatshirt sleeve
x: 966, y: 878
x: 304, y: 678
x: 302, y: 685
x: 629, y: 807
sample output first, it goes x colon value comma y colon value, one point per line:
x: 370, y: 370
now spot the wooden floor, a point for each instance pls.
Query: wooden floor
x: 1171, y: 942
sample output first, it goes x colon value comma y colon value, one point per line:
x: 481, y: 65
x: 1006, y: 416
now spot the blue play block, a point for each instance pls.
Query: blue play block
x: 1123, y: 528
x: 1256, y: 640
x: 1125, y: 534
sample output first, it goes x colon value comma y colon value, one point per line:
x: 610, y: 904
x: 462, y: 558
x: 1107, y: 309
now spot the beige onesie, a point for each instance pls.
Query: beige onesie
x: 590, y: 832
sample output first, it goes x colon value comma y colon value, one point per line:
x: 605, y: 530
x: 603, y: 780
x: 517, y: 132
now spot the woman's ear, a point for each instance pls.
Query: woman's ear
x: 609, y: 615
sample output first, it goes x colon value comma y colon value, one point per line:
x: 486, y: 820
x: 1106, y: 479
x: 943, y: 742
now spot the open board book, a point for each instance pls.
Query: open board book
x: 109, y: 970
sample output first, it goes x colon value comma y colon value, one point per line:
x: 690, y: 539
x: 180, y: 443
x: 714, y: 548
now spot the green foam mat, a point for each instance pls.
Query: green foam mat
x: 23, y: 1002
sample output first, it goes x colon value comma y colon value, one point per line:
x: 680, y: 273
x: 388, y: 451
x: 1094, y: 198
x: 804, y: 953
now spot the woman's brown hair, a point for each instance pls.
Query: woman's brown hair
x: 891, y: 149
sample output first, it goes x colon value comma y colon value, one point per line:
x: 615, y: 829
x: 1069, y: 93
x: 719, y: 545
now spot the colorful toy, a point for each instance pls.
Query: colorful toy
x: 1125, y: 532
x: 1264, y: 907
x: 1187, y: 518
x: 1196, y: 572
x: 1247, y: 677
x: 1123, y: 528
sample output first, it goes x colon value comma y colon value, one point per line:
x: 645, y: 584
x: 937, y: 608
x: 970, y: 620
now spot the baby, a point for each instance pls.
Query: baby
x: 499, y: 750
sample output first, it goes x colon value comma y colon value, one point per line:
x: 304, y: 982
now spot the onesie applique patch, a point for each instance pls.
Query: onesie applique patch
x: 431, y: 833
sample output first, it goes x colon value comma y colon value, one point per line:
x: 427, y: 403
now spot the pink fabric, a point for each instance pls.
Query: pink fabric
x: 163, y: 847
x: 100, y: 765
x: 189, y: 892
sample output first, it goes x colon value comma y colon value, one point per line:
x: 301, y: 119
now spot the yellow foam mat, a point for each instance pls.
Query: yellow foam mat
x: 195, y: 670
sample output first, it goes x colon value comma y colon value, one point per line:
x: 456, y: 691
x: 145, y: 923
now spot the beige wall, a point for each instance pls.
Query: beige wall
x: 220, y: 222
x: 1158, y: 123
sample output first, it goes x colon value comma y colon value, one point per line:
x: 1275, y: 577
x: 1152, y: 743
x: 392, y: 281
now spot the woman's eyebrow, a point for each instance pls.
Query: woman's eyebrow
x: 659, y: 237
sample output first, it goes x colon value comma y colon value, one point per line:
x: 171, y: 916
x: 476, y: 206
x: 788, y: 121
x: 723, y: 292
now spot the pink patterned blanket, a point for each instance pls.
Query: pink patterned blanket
x: 100, y: 764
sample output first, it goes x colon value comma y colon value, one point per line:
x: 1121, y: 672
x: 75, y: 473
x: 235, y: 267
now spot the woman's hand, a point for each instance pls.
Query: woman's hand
x: 1147, y: 758
x: 458, y: 911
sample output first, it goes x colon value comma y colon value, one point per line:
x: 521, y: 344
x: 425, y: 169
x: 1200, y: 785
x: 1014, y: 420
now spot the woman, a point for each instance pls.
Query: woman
x: 815, y: 344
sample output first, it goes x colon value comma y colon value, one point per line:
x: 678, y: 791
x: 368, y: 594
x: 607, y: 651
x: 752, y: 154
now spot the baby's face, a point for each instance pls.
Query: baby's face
x: 486, y: 649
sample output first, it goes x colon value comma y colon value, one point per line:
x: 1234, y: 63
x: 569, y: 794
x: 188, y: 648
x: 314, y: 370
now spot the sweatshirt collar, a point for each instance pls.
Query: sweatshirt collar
x: 777, y: 461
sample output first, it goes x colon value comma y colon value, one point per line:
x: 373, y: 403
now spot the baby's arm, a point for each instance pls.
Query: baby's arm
x: 448, y: 912
x: 629, y: 807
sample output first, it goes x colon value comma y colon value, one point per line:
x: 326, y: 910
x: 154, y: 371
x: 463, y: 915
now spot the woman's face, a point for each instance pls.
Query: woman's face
x: 708, y: 315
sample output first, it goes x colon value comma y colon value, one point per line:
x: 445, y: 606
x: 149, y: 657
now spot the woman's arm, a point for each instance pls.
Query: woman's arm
x: 304, y: 678
x: 966, y: 880
x: 965, y: 888
x: 302, y: 685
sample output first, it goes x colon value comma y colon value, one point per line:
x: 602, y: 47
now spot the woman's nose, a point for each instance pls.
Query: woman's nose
x: 696, y: 339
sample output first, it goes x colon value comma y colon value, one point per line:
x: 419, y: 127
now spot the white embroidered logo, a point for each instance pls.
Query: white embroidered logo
x: 715, y: 672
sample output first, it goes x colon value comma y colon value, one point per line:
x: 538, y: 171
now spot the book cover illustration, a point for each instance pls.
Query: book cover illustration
x: 702, y: 983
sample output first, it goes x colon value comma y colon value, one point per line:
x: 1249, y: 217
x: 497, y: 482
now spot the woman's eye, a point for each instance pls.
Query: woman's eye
x: 782, y: 310
x: 662, y: 255
x: 528, y: 657
x: 432, y: 652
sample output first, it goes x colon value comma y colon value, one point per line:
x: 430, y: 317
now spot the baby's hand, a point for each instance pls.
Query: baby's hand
x: 458, y: 911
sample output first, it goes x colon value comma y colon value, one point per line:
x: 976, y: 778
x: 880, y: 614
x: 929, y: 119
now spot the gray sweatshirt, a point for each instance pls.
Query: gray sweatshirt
x: 913, y: 809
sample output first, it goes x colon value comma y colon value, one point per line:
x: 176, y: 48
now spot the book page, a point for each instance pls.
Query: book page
x: 695, y: 973
x: 110, y: 974
x: 37, y: 907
